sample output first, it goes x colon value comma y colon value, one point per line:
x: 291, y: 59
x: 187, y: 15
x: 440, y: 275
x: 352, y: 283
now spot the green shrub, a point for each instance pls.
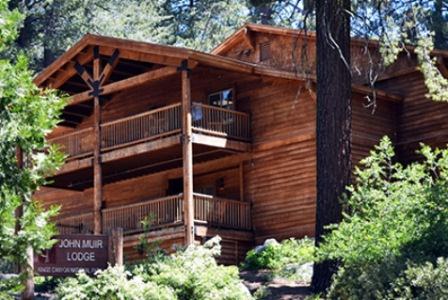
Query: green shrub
x: 113, y: 283
x: 276, y: 256
x: 188, y: 274
x: 426, y: 281
x: 194, y: 274
x: 395, y: 216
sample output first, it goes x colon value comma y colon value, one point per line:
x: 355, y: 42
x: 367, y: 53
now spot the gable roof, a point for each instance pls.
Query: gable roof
x: 240, y: 34
x: 63, y: 68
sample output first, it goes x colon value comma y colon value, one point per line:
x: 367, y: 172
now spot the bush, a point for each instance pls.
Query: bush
x: 189, y: 274
x: 275, y: 256
x: 425, y: 281
x: 194, y: 274
x: 291, y: 259
x: 113, y: 283
x: 395, y: 217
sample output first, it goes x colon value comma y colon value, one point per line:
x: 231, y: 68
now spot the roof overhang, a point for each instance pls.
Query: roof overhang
x: 249, y: 28
x: 166, y: 59
x: 63, y: 67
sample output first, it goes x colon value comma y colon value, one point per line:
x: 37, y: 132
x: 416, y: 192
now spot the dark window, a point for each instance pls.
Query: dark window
x: 265, y: 51
x: 222, y: 99
x: 206, y: 190
x: 175, y: 186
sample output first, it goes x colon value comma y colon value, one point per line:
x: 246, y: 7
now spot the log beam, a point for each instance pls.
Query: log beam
x: 187, y: 155
x: 110, y: 66
x: 125, y: 84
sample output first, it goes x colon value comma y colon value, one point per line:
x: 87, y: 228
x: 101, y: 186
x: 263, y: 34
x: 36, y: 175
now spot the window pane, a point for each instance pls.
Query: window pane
x: 222, y: 98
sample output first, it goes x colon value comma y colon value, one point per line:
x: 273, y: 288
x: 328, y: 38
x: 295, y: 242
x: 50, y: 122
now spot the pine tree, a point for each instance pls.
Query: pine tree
x: 333, y: 121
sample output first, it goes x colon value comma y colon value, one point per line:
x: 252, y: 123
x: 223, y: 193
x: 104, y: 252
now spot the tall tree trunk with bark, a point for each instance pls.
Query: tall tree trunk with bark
x: 333, y: 121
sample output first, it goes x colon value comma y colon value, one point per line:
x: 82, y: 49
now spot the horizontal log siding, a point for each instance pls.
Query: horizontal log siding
x: 421, y: 119
x: 233, y: 252
x: 132, y: 253
x: 370, y: 125
x: 70, y: 202
x: 280, y: 178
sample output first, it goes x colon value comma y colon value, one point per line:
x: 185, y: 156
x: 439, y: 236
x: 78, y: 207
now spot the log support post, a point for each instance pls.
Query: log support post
x: 97, y: 170
x: 95, y: 82
x: 187, y: 155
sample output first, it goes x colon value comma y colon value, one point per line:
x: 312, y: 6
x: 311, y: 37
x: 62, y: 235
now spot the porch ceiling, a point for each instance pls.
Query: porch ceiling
x: 139, y: 165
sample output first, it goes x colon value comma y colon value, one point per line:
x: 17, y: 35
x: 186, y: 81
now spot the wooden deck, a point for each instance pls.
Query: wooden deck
x: 164, y: 212
x: 212, y: 126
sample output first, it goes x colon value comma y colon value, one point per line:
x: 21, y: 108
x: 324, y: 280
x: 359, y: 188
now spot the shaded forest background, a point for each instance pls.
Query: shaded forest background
x: 51, y: 26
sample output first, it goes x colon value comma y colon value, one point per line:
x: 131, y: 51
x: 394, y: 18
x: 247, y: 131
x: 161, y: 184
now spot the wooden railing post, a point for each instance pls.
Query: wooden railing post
x: 187, y: 154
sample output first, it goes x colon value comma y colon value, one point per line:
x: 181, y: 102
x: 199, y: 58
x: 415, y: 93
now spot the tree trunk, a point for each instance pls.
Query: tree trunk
x: 333, y: 121
x: 27, y: 267
x: 439, y: 25
x: 262, y: 10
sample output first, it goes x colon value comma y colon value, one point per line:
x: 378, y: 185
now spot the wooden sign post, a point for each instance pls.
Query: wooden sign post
x: 117, y: 246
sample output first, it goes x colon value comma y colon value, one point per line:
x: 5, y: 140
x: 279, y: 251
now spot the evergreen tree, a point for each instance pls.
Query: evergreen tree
x: 27, y: 114
x: 333, y: 126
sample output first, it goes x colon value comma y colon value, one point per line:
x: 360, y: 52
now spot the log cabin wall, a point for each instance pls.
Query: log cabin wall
x: 370, y: 124
x: 70, y: 201
x: 420, y: 119
x: 280, y: 177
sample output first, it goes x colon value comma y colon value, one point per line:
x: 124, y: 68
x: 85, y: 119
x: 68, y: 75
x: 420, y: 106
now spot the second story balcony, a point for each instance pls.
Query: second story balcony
x: 161, y: 213
x: 157, y: 129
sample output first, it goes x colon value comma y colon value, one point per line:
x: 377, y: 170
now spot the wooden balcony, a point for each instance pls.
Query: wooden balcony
x: 164, y: 212
x: 156, y: 124
x: 82, y: 223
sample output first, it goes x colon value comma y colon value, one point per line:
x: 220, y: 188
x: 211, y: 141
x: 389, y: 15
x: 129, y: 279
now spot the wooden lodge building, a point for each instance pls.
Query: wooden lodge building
x: 214, y: 143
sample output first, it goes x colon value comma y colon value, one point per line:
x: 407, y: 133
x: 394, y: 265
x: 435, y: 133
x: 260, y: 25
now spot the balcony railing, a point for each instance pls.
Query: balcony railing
x: 141, y: 127
x: 82, y: 223
x: 167, y: 211
x: 76, y: 144
x: 155, y: 124
x: 220, y: 121
x: 159, y: 212
x: 222, y: 212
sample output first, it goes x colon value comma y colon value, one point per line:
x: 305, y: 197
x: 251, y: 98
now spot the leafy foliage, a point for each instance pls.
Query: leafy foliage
x: 276, y: 256
x: 113, y: 284
x: 27, y: 114
x: 187, y: 274
x: 194, y: 274
x: 424, y: 281
x: 10, y: 21
x: 396, y: 217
